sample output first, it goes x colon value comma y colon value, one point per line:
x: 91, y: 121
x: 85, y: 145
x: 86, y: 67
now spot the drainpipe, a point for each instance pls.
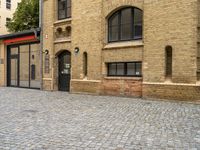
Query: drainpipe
x: 41, y: 42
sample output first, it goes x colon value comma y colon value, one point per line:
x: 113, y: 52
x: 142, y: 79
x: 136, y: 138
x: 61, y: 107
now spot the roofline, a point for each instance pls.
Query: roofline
x: 18, y: 34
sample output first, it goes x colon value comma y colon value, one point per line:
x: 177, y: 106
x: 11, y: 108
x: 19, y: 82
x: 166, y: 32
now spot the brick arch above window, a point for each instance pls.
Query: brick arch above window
x: 111, y: 8
x: 117, y: 8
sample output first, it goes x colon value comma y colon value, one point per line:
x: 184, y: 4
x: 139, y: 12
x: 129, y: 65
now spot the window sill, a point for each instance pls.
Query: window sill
x: 122, y: 78
x: 63, y: 21
x: 137, y: 43
x: 62, y: 41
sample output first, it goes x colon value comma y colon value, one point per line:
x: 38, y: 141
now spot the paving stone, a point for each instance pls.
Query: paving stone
x: 40, y: 120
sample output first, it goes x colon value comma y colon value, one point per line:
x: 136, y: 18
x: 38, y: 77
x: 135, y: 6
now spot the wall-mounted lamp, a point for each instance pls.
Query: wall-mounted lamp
x: 46, y: 52
x: 76, y: 50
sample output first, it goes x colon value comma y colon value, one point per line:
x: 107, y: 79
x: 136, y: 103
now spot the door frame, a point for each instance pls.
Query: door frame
x: 63, y: 53
x: 9, y: 57
x: 8, y: 69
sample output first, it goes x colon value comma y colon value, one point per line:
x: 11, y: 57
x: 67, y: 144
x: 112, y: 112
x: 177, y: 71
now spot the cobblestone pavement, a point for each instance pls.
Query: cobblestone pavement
x: 32, y: 119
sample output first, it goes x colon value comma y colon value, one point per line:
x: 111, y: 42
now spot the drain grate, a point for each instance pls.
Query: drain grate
x: 30, y: 111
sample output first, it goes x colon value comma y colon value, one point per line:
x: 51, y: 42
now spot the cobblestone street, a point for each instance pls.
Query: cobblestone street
x: 33, y: 119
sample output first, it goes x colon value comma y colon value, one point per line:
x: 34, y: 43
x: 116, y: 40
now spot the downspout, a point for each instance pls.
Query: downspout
x: 41, y: 42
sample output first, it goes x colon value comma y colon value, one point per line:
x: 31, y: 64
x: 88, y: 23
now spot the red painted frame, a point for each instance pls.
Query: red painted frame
x: 20, y: 39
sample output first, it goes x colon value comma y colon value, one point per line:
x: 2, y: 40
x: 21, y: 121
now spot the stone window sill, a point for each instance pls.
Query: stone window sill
x: 123, y: 78
x: 63, y: 21
x: 137, y: 43
x: 62, y: 41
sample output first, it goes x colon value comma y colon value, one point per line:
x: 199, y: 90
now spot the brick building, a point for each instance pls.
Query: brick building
x: 139, y: 48
x: 20, y: 59
x: 142, y: 48
x: 7, y: 8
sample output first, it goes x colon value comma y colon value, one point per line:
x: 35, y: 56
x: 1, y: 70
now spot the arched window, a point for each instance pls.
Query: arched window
x: 85, y: 63
x: 125, y: 24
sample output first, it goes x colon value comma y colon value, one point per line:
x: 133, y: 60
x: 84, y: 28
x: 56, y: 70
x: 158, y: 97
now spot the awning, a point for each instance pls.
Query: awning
x: 20, y: 39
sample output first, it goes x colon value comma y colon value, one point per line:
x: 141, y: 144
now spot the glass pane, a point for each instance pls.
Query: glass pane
x: 114, y: 27
x: 120, y: 69
x: 66, y: 66
x: 114, y: 20
x: 112, y: 69
x: 14, y: 72
x: 24, y: 66
x: 126, y: 16
x: 137, y: 23
x: 68, y: 12
x: 68, y: 3
x: 61, y: 14
x: 126, y: 33
x: 14, y: 66
x: 138, y: 69
x: 62, y: 6
x: 130, y: 69
x: 114, y: 33
x: 126, y: 24
x: 35, y: 66
x: 14, y: 51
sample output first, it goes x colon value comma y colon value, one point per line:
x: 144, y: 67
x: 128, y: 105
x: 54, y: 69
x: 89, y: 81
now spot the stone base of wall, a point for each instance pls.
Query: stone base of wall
x: 122, y: 87
x: 85, y: 86
x: 47, y: 85
x: 172, y: 92
x: 133, y: 87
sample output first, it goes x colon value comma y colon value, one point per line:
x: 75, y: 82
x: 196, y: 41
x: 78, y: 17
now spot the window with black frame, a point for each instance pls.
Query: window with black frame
x: 125, y: 69
x: 64, y: 9
x: 8, y: 4
x: 125, y: 25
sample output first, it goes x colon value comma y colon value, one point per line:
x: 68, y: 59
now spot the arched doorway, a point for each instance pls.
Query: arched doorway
x: 64, y: 71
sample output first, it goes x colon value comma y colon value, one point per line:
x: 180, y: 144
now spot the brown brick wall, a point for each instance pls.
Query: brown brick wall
x: 3, y: 65
x: 122, y: 86
x: 92, y: 87
x: 170, y: 23
x: 87, y: 35
x: 47, y: 85
x: 172, y: 92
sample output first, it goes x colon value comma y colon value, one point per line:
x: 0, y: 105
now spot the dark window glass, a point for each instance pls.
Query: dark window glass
x: 32, y: 72
x: 137, y: 24
x: 138, y: 69
x: 120, y: 69
x: 131, y: 69
x: 125, y: 24
x: 114, y: 27
x: 8, y: 20
x: 85, y: 64
x: 168, y: 58
x: 8, y: 4
x: 64, y: 9
x: 125, y: 69
x: 112, y: 69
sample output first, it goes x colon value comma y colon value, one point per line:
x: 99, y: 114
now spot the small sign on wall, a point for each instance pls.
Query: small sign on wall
x: 47, y: 63
x: 46, y: 36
